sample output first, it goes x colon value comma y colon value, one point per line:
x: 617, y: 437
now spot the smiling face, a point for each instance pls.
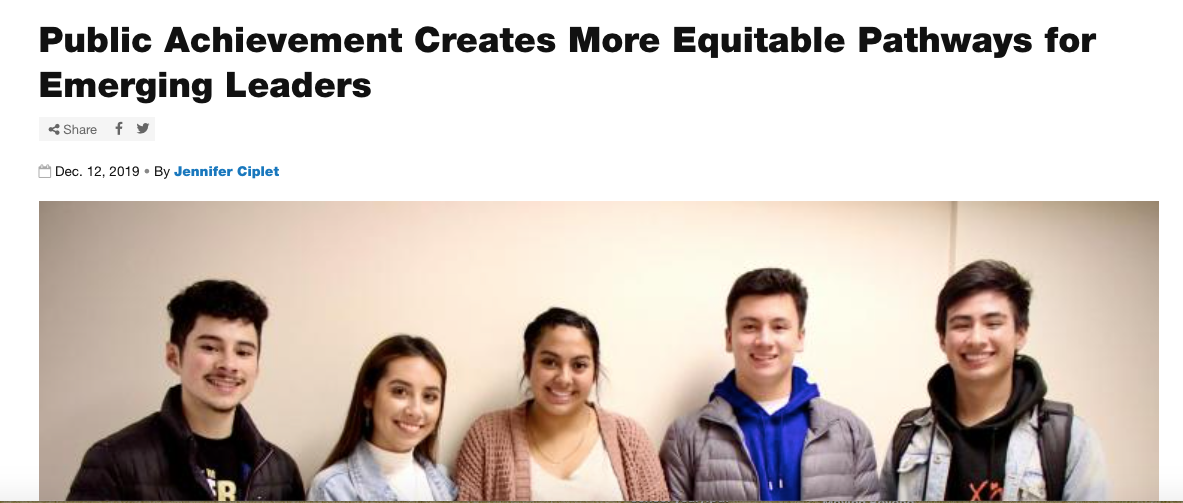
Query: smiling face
x: 980, y: 338
x: 562, y: 370
x: 406, y: 404
x: 764, y: 334
x: 218, y: 366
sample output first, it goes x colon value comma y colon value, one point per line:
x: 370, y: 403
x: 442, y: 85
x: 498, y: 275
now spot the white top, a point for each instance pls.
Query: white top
x: 772, y: 406
x: 402, y: 473
x: 594, y: 480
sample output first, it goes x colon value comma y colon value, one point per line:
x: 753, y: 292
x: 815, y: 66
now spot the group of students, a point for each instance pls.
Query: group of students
x: 765, y: 434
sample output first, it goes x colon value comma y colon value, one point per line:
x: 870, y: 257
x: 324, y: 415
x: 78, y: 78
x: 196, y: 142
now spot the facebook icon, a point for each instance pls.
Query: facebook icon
x: 119, y: 129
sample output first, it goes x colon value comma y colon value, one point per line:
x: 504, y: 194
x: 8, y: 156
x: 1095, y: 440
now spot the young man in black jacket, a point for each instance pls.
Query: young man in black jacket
x: 202, y: 444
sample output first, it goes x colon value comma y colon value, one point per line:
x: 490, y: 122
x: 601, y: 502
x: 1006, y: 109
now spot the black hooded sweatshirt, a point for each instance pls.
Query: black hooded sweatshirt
x: 978, y: 466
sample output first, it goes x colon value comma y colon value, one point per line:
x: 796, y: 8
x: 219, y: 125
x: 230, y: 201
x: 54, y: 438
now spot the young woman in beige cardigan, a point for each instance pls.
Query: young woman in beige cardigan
x: 557, y: 445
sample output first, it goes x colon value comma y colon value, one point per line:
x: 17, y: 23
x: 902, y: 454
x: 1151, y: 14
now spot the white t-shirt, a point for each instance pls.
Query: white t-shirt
x: 772, y: 406
x: 403, y: 474
x: 594, y: 480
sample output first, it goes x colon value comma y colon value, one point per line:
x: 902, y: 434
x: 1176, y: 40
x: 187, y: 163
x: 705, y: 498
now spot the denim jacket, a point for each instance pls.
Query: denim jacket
x: 358, y: 478
x: 1085, y: 479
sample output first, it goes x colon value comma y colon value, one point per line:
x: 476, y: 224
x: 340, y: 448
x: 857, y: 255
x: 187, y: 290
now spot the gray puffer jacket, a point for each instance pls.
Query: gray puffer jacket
x: 704, y: 456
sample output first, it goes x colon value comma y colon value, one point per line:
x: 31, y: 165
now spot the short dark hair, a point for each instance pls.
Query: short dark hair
x: 217, y: 298
x: 554, y: 317
x: 986, y: 276
x: 769, y: 281
x: 373, y: 369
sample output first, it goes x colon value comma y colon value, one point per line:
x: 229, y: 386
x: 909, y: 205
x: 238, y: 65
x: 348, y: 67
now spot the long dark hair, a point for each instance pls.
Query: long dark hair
x: 372, y: 370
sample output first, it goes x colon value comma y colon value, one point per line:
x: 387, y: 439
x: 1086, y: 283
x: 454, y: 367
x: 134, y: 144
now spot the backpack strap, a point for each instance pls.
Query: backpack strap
x: 903, y: 437
x: 1055, y: 433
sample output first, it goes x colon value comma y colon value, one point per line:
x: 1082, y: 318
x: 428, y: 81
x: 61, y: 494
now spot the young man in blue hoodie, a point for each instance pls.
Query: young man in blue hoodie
x: 766, y: 433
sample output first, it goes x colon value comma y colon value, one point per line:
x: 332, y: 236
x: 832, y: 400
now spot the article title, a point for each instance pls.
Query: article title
x: 430, y: 40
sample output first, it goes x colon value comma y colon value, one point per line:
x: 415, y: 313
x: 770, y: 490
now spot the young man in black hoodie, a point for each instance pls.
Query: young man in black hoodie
x: 201, y: 445
x: 989, y: 434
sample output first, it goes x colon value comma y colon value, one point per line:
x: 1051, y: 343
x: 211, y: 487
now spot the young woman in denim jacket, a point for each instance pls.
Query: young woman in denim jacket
x: 387, y: 449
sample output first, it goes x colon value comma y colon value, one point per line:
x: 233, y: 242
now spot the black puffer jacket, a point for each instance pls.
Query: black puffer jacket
x: 156, y: 459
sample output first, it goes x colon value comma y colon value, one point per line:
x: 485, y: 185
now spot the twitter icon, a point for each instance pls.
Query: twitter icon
x: 142, y: 128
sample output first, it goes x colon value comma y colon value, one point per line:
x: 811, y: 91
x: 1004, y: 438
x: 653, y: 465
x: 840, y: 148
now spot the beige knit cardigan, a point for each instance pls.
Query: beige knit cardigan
x: 494, y: 459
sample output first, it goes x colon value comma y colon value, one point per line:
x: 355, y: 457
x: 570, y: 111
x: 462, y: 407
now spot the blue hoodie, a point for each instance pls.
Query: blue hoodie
x: 774, y: 442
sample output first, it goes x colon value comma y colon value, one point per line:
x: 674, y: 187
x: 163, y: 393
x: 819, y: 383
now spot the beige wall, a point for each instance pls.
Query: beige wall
x: 653, y: 277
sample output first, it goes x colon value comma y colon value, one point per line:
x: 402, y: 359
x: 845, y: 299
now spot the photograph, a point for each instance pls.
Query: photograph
x: 598, y: 350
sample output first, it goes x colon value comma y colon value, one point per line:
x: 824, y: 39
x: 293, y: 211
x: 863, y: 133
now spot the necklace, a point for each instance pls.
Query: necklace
x: 538, y: 446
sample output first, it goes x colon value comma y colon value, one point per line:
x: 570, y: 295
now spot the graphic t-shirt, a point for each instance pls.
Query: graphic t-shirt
x: 224, y: 465
x: 977, y: 467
